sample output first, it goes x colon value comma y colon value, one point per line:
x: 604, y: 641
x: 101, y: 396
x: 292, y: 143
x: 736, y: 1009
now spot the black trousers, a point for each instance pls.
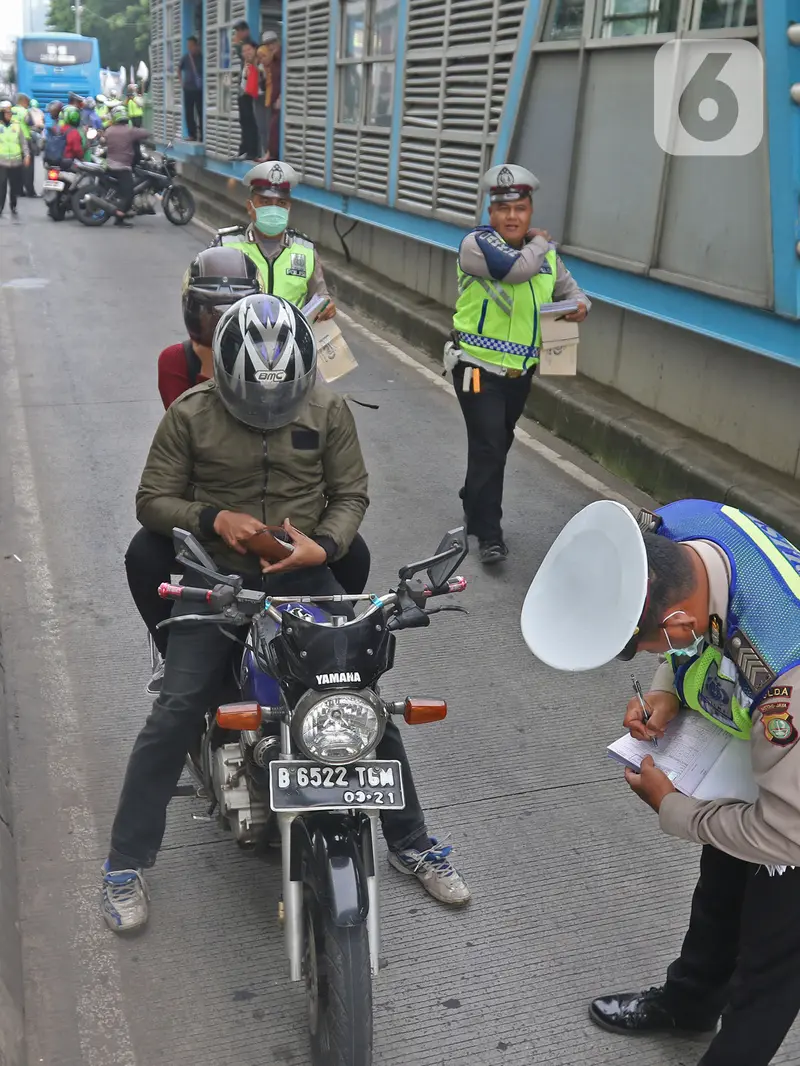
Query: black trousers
x: 27, y: 177
x: 11, y: 179
x: 124, y: 179
x: 150, y: 559
x: 741, y: 958
x: 197, y: 666
x: 248, y: 143
x: 490, y: 416
x: 136, y: 121
x: 193, y: 110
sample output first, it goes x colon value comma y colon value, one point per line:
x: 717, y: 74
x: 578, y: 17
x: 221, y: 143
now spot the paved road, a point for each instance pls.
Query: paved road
x: 576, y: 891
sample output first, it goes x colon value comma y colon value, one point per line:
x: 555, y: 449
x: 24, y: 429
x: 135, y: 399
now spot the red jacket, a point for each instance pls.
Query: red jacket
x: 74, y: 148
x: 173, y: 374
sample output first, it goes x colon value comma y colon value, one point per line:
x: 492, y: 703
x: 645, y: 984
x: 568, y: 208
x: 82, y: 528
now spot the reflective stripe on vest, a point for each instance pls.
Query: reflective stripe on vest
x: 499, y: 323
x: 763, y: 637
x: 10, y: 148
x: 291, y: 270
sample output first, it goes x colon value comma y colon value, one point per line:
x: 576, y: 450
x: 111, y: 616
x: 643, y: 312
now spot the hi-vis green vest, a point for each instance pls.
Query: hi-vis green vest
x: 10, y: 148
x: 287, y: 275
x: 135, y: 109
x: 498, y: 323
x: 20, y: 113
x: 730, y: 677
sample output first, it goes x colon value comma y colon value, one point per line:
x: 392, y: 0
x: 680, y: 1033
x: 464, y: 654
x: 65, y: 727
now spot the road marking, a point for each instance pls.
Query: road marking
x: 101, y: 1021
x: 551, y: 456
x: 569, y: 468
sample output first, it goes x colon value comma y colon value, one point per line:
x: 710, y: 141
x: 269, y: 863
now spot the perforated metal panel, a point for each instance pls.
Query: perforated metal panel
x: 305, y: 96
x: 157, y: 70
x: 222, y: 75
x: 459, y: 55
x: 172, y: 53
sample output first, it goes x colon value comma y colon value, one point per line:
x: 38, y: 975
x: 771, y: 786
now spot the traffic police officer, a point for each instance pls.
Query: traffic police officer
x: 506, y: 271
x: 287, y: 261
x: 22, y: 103
x: 716, y: 593
x: 135, y: 106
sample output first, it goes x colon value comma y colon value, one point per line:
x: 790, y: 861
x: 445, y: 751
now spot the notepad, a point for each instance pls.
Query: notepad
x: 700, y: 759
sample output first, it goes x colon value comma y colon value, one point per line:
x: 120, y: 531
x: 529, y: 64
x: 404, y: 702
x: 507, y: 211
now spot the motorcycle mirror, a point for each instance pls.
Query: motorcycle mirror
x: 441, y: 566
x: 186, y: 543
x: 91, y: 135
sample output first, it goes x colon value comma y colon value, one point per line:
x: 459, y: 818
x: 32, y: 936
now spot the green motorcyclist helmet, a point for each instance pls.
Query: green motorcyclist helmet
x: 119, y: 114
x: 71, y: 115
x: 34, y: 103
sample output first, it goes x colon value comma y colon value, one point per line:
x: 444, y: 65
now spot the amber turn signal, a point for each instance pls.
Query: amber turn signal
x: 420, y: 712
x: 239, y: 716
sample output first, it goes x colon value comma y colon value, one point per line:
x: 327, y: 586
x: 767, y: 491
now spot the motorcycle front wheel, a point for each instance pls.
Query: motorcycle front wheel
x: 178, y: 204
x: 338, y: 988
x: 89, y: 214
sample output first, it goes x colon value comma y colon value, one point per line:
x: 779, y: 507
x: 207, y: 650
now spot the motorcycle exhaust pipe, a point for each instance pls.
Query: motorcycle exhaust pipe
x: 98, y: 201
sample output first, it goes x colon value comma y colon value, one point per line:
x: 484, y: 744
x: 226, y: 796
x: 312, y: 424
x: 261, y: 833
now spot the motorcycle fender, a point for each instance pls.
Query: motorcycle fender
x: 330, y: 847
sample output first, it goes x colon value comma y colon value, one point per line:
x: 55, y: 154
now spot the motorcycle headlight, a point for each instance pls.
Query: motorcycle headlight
x: 339, y: 728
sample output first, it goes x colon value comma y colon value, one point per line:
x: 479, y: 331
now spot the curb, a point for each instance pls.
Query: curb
x: 660, y: 457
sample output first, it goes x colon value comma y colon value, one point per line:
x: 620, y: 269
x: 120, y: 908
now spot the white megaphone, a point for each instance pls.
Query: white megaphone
x: 142, y: 73
x: 587, y: 598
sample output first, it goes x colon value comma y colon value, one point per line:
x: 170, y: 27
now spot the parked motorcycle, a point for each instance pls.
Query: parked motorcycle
x: 153, y: 177
x: 293, y: 761
x: 60, y: 184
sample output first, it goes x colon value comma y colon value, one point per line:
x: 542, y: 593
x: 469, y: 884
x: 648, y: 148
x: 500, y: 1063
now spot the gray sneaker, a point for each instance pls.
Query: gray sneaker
x: 434, y: 871
x: 153, y: 686
x: 125, y: 899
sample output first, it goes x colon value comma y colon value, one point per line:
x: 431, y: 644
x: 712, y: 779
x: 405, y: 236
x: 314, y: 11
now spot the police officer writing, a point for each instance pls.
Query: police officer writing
x: 716, y: 593
x: 506, y: 271
x: 287, y: 261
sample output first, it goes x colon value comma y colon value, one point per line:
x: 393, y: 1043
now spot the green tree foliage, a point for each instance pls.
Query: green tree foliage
x: 122, y: 28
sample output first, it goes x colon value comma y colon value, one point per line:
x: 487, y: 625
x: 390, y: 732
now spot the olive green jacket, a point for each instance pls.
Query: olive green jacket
x: 203, y: 461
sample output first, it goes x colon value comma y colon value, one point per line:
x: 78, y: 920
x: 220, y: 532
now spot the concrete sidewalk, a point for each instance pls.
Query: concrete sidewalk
x: 660, y: 457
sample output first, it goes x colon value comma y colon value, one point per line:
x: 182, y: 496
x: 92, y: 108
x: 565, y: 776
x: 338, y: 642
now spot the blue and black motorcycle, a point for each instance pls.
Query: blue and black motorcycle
x: 292, y: 762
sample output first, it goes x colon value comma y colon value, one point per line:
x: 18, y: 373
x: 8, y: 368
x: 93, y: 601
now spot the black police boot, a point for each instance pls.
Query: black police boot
x: 638, y: 1013
x: 492, y: 551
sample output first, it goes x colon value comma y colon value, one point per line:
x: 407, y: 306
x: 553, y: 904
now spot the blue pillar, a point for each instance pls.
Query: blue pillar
x: 782, y: 60
x: 397, y: 109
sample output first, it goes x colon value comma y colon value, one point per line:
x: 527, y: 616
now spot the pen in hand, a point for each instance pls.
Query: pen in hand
x: 637, y: 688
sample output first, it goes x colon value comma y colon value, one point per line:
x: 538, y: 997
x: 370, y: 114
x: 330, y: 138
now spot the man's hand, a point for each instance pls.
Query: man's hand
x: 662, y: 708
x: 26, y: 161
x: 277, y: 104
x: 579, y: 315
x: 234, y: 528
x: 539, y: 233
x: 650, y: 784
x: 329, y: 312
x: 306, y: 553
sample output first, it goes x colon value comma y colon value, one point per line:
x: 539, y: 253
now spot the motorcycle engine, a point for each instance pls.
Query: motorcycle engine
x: 246, y: 813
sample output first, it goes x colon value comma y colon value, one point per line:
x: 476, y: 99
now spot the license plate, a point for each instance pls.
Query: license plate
x: 302, y: 786
x: 53, y: 186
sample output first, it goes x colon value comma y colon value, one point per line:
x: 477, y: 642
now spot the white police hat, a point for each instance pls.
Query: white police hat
x: 272, y: 178
x: 269, y: 37
x: 509, y: 182
x: 586, y: 601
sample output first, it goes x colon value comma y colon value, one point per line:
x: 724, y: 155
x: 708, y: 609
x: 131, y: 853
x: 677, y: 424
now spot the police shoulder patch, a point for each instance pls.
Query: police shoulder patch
x: 779, y: 727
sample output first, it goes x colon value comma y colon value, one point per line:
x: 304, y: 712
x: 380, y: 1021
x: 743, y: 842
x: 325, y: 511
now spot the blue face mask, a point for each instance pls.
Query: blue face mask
x: 692, y: 649
x: 272, y: 220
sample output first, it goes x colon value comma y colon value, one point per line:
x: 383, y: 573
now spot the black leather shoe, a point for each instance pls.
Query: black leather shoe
x: 637, y: 1013
x: 492, y: 551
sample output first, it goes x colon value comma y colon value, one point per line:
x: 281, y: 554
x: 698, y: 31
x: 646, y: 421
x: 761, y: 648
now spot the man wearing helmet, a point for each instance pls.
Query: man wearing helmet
x: 286, y: 260
x: 122, y: 142
x: 75, y: 144
x: 263, y: 444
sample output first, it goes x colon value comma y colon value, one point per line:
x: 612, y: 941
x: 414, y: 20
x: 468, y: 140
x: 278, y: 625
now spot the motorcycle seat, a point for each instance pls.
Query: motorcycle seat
x: 90, y: 168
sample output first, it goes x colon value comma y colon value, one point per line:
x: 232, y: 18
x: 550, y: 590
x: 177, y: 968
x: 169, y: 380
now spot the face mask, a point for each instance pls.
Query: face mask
x: 689, y: 651
x: 272, y: 220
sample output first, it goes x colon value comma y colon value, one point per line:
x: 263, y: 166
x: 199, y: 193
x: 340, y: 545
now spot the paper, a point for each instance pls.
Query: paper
x: 700, y: 759
x: 334, y: 358
x: 557, y: 310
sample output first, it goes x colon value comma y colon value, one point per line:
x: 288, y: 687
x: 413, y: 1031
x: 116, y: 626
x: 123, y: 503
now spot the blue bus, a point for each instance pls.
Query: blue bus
x: 51, y: 65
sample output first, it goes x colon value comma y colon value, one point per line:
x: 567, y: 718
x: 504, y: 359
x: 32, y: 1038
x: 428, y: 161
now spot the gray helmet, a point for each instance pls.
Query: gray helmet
x: 265, y: 361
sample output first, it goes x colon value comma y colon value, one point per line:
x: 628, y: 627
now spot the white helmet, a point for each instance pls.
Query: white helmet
x: 265, y: 361
x: 101, y: 99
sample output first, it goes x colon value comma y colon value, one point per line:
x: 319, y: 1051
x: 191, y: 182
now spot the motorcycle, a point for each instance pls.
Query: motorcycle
x: 153, y: 176
x: 293, y: 762
x: 60, y: 185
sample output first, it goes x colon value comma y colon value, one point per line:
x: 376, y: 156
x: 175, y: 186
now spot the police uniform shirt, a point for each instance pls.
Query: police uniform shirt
x: 271, y: 248
x: 768, y: 831
x: 484, y: 254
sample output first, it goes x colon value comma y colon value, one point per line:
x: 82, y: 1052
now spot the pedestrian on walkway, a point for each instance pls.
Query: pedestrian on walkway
x: 241, y: 37
x: 14, y: 155
x: 191, y: 72
x: 263, y: 102
x: 506, y: 271
x: 272, y: 94
x: 248, y: 94
x: 716, y: 593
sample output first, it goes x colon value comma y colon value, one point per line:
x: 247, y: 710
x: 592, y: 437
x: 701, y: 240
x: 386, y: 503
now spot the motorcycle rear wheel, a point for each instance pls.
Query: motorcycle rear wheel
x: 57, y: 210
x: 338, y: 988
x: 179, y: 205
x: 86, y: 213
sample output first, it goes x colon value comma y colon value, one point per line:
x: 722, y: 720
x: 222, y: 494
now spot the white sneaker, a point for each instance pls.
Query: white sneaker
x: 125, y: 899
x: 434, y: 871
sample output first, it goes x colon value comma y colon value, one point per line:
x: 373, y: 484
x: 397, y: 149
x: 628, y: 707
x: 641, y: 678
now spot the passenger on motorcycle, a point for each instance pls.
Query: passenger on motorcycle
x: 216, y: 278
x: 121, y: 144
x: 75, y: 146
x: 205, y: 473
x: 89, y: 116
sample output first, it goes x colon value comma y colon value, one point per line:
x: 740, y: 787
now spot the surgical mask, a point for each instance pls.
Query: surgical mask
x: 689, y: 651
x: 272, y: 220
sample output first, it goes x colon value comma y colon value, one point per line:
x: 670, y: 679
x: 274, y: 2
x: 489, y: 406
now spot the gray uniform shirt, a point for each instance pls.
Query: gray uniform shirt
x: 515, y: 266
